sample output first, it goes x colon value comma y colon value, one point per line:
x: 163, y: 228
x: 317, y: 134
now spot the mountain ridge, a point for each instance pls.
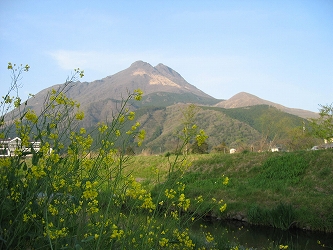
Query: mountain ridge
x: 244, y: 99
x: 158, y: 79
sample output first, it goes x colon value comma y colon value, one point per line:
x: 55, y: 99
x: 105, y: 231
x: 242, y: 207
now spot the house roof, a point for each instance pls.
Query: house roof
x: 4, y: 141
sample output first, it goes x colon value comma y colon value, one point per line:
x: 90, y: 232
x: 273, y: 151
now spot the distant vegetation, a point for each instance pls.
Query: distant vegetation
x: 168, y: 99
x: 255, y: 128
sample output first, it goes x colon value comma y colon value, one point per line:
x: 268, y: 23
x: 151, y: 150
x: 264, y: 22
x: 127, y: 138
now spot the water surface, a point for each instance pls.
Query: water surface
x: 259, y: 237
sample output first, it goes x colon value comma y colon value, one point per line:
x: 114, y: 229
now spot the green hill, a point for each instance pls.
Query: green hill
x: 253, y: 128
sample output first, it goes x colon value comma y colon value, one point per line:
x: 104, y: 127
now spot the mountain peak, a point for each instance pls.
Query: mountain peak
x: 150, y: 79
x: 140, y: 64
x: 243, y: 94
x: 165, y: 70
x: 244, y: 99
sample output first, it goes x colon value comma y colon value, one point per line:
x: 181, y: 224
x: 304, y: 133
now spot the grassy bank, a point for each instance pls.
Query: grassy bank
x: 278, y: 189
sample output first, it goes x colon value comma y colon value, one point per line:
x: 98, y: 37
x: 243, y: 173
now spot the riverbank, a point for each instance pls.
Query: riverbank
x: 280, y: 189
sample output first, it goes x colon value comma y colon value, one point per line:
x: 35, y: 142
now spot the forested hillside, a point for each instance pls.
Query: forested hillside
x: 255, y: 128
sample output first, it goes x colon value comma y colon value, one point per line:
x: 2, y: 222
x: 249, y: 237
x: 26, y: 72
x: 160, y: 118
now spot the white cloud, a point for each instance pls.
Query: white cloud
x: 69, y: 60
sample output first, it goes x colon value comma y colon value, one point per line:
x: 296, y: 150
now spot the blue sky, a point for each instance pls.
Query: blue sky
x: 281, y: 51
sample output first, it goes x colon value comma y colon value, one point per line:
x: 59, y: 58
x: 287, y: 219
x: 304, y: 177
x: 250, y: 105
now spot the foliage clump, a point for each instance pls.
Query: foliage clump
x: 323, y: 126
x: 73, y: 193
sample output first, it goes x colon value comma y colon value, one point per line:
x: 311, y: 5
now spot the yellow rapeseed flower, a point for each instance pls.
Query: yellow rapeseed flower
x: 102, y: 128
x: 138, y: 94
x: 170, y: 194
x: 79, y: 115
x: 223, y: 208
x: 121, y: 118
x: 25, y: 217
x: 225, y: 181
x: 209, y: 237
x: 31, y: 116
x: 163, y: 242
x: 199, y: 199
x: 131, y: 115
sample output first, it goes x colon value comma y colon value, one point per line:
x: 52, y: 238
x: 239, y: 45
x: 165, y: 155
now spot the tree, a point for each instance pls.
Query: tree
x: 129, y: 151
x: 221, y: 147
x: 299, y: 139
x: 274, y: 127
x: 323, y: 126
x: 199, y: 149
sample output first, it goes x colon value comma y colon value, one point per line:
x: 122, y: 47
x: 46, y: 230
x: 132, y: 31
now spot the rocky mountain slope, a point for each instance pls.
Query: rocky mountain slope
x: 161, y: 86
x: 140, y: 75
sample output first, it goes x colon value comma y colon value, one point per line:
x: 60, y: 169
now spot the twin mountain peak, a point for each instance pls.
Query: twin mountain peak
x: 161, y: 81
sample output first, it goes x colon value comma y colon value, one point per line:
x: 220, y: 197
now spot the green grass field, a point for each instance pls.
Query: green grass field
x: 300, y: 182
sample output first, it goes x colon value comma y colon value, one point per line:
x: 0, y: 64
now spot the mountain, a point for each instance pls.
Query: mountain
x: 243, y: 119
x: 161, y: 86
x: 244, y: 99
x: 140, y: 75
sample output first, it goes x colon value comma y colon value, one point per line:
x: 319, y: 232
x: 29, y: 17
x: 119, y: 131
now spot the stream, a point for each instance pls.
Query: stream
x: 260, y: 237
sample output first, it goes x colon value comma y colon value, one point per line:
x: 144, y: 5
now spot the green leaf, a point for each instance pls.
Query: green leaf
x: 77, y: 246
x: 35, y: 158
x: 89, y: 238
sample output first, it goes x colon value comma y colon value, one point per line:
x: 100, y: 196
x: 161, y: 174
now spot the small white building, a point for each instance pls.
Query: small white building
x: 276, y: 149
x: 328, y: 141
x: 8, y: 146
x: 4, y: 152
x: 232, y: 150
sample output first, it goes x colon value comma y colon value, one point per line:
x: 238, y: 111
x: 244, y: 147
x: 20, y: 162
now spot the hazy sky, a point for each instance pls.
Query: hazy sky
x: 281, y: 51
